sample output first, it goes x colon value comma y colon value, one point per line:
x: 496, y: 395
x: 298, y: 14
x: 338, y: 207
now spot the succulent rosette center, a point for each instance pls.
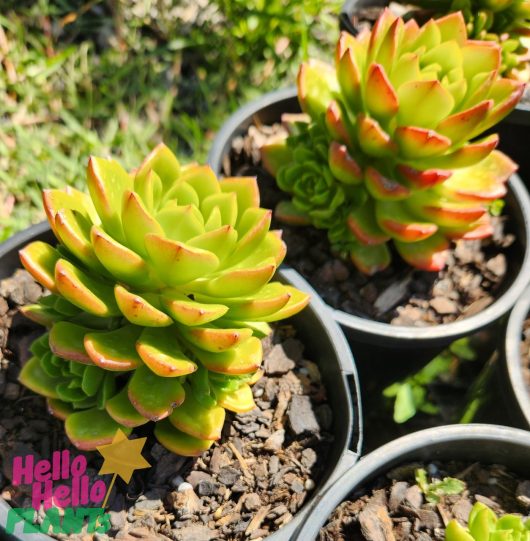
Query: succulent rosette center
x: 160, y: 293
x: 394, y: 129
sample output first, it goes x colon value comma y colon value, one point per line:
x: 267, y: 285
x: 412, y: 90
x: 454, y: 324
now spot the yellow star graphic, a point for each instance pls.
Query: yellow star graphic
x: 123, y: 456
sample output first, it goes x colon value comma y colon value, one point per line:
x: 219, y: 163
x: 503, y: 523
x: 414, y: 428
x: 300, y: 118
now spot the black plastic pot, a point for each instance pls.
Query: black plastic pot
x: 517, y: 392
x: 488, y: 444
x: 325, y: 344
x: 381, y: 337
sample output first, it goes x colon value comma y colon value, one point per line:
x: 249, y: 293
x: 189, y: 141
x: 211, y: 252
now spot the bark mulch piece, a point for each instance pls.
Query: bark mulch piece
x: 399, y: 295
x: 246, y: 486
x: 395, y: 509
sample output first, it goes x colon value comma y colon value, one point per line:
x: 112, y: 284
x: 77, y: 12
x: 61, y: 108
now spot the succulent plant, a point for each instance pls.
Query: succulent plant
x: 160, y: 292
x: 387, y: 148
x: 504, y: 21
x: 483, y: 525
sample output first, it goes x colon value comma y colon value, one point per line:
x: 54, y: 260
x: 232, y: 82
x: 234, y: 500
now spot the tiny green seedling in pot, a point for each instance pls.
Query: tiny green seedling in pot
x: 388, y: 147
x: 160, y: 292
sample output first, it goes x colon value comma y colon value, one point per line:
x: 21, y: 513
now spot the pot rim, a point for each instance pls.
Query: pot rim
x: 445, y: 332
x: 391, y: 452
x: 513, y: 358
x: 350, y: 420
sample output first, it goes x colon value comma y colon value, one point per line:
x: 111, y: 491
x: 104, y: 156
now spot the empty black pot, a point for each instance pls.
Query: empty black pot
x: 488, y: 444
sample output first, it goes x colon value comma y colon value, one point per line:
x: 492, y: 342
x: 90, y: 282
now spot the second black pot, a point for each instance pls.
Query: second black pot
x: 488, y: 444
x: 382, y: 339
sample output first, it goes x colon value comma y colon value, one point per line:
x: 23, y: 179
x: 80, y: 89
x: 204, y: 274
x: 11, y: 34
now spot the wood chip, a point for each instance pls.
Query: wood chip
x: 258, y: 518
x: 392, y: 295
x: 241, y: 460
x: 376, y: 524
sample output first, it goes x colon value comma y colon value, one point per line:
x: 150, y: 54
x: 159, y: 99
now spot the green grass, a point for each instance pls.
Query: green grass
x: 108, y: 77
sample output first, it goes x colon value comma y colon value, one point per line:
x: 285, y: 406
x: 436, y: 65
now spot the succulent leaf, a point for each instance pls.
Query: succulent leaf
x: 153, y: 396
x: 429, y: 254
x: 204, y: 423
x: 162, y: 162
x: 66, y: 341
x: 90, y: 428
x: 316, y: 83
x: 107, y: 181
x: 239, y: 401
x: 178, y: 263
x: 34, y: 377
x: 139, y: 310
x: 242, y: 359
x: 113, y: 350
x: 162, y: 352
x: 119, y: 407
x: 39, y: 259
x: 298, y: 300
x: 370, y: 259
x: 189, y: 312
x: 92, y: 295
x: 179, y: 442
x: 59, y: 409
x: 274, y: 155
x: 124, y: 264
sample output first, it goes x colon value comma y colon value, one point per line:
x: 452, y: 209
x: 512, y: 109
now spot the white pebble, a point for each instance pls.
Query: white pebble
x: 309, y: 484
x: 184, y: 486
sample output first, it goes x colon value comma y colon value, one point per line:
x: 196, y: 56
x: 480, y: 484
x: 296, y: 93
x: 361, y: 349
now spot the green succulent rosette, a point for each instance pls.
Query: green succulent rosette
x: 484, y: 525
x: 391, y: 147
x: 160, y: 293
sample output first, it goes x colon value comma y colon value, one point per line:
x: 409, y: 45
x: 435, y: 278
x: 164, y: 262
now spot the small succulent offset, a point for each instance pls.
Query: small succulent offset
x: 504, y: 21
x: 386, y: 147
x: 435, y: 489
x: 483, y: 525
x: 160, y: 292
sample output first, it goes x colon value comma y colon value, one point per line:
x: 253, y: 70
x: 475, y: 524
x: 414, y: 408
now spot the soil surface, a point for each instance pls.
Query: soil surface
x: 245, y: 487
x: 395, y: 509
x: 525, y: 352
x: 399, y: 295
